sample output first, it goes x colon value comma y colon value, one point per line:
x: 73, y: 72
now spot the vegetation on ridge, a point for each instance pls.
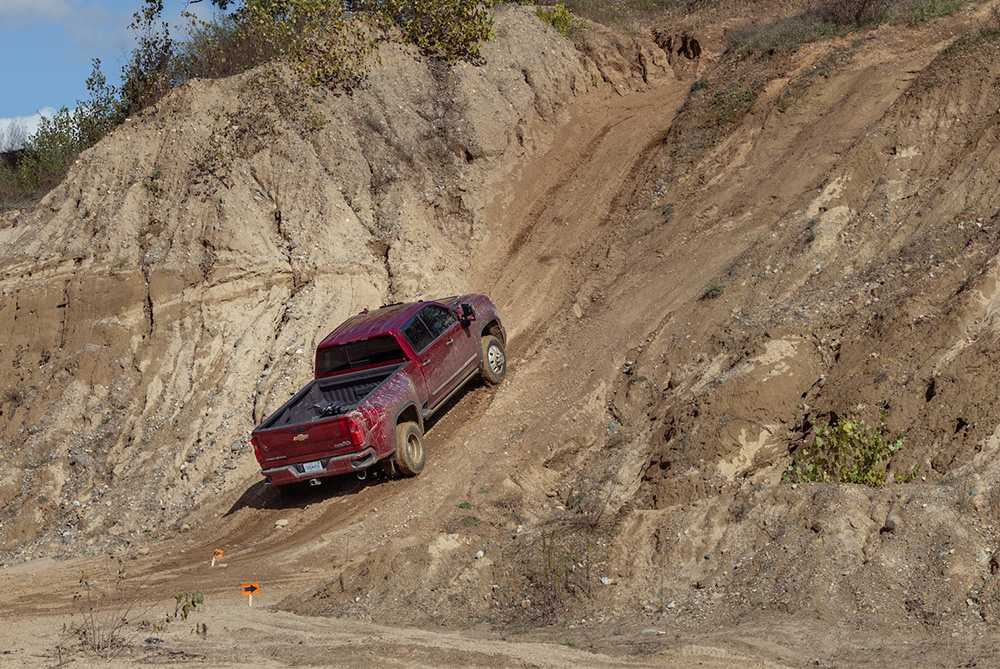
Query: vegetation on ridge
x: 326, y: 42
x: 330, y: 43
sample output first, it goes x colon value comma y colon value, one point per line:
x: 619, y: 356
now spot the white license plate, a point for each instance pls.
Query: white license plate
x: 313, y: 467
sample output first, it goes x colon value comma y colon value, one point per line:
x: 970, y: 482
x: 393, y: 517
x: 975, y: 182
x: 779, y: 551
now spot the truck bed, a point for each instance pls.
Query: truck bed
x: 325, y: 398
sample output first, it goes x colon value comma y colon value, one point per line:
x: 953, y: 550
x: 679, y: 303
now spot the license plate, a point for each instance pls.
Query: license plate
x: 313, y: 467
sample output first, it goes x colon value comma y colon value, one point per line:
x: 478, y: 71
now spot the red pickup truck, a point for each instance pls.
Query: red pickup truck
x: 379, y: 376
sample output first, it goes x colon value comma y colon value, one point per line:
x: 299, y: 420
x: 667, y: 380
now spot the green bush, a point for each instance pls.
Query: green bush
x: 332, y: 50
x: 148, y: 75
x: 48, y: 152
x: 448, y: 29
x: 850, y: 451
x: 561, y: 19
x: 52, y: 149
x: 698, y: 85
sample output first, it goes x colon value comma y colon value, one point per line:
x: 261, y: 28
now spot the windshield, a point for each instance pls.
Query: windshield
x: 365, y: 353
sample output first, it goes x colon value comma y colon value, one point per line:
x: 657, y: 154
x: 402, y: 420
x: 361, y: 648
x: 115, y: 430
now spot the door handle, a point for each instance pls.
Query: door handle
x: 424, y: 363
x: 449, y: 342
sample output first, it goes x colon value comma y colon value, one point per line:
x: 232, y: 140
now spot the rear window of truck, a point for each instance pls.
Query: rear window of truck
x: 374, y: 351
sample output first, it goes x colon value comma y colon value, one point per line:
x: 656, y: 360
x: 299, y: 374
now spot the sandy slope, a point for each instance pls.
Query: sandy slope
x: 623, y: 483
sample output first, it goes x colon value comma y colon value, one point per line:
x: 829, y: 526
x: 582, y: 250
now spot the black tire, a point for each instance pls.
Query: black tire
x: 410, y: 452
x: 494, y: 366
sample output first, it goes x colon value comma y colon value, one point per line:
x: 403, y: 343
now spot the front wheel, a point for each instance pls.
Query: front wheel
x: 494, y: 360
x: 410, y: 453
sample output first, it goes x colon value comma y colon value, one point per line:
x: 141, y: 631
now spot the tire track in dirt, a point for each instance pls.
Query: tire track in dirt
x: 561, y: 213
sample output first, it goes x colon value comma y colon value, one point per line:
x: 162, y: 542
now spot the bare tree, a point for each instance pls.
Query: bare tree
x: 13, y: 135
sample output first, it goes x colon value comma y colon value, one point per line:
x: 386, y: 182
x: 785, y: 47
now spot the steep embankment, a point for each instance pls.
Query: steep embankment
x: 170, y: 292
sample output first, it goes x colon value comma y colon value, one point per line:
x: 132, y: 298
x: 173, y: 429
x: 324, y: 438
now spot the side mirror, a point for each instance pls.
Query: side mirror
x: 468, y: 315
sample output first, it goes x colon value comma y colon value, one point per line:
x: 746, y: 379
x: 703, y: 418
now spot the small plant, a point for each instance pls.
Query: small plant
x: 14, y: 396
x: 313, y: 120
x: 849, y: 451
x: 153, y: 184
x: 187, y: 602
x: 106, y: 606
x: 713, y: 291
x: 465, y: 505
x: 698, y: 85
x: 666, y: 209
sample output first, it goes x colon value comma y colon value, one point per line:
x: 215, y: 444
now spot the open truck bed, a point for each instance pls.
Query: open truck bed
x: 328, y: 398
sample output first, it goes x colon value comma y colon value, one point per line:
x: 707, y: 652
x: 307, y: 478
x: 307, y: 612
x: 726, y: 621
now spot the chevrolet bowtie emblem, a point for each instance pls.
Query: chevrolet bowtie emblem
x: 301, y: 437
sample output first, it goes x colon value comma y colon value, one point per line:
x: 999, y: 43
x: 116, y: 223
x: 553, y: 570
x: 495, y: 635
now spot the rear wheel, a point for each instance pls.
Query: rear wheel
x: 494, y: 360
x: 410, y: 453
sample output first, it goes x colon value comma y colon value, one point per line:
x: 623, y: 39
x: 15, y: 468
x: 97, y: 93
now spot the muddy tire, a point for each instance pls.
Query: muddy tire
x: 410, y: 453
x: 494, y: 360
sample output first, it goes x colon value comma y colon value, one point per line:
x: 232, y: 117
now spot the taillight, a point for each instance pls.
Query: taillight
x: 357, y: 430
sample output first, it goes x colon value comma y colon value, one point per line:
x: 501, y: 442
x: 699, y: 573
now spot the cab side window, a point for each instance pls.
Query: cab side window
x: 418, y: 334
x: 438, y: 319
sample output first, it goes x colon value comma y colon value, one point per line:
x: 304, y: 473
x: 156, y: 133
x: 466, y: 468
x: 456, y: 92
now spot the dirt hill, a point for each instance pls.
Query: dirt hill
x: 700, y: 261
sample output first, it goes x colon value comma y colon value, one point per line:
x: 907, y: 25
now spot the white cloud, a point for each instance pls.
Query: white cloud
x: 18, y: 13
x: 95, y: 28
x: 92, y: 26
x: 29, y: 123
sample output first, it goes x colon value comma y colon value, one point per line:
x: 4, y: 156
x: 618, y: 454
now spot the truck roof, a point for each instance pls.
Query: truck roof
x: 383, y: 320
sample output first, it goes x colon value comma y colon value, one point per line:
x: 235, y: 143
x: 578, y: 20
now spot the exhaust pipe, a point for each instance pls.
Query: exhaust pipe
x: 363, y: 474
x: 315, y: 482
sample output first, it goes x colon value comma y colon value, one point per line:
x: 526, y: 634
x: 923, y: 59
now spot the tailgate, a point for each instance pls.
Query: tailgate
x: 303, y: 442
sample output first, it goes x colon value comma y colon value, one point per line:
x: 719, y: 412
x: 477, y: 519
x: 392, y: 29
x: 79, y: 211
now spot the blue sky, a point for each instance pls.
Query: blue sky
x: 46, y: 48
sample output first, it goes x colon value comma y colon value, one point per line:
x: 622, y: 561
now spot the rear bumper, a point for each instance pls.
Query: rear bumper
x: 329, y: 466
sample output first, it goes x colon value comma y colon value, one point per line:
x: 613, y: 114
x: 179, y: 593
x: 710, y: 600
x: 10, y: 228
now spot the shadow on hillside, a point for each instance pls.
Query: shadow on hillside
x: 301, y: 495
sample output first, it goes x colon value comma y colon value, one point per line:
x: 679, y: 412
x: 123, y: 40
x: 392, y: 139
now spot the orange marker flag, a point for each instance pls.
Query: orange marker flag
x: 249, y: 589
